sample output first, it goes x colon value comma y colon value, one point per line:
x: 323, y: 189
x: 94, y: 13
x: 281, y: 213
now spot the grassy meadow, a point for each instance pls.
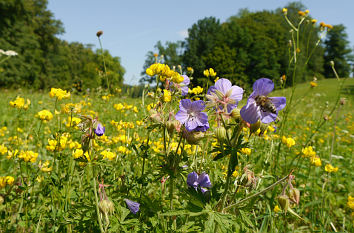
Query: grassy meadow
x: 292, y: 175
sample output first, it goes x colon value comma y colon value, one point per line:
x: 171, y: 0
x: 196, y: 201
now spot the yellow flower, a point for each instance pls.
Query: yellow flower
x: 308, y: 152
x: 329, y: 168
x: 246, y: 151
x: 285, y: 11
x: 59, y: 93
x: 277, y: 209
x: 314, y: 21
x: 206, y: 73
x: 166, y: 96
x: 3, y: 149
x: 28, y: 156
x: 235, y: 174
x: 212, y: 73
x: 73, y: 122
x: 350, y: 202
x: 20, y: 103
x: 316, y: 161
x: 9, y: 180
x: 150, y: 72
x: 197, y: 90
x: 301, y: 13
x: 78, y: 153
x: 109, y: 155
x: 313, y: 84
x: 135, y: 109
x: 45, y: 115
x: 289, y: 142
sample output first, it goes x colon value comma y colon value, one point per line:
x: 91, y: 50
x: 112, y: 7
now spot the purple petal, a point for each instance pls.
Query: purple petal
x: 99, y: 131
x: 203, y: 118
x: 186, y: 80
x: 263, y: 86
x: 185, y: 104
x: 236, y: 93
x: 192, y: 179
x: 223, y: 85
x: 191, y: 124
x: 211, y: 90
x: 184, y: 90
x: 133, y: 206
x: 198, y: 105
x: 268, y: 117
x: 182, y: 116
x: 250, y: 112
x: 279, y: 102
x: 204, y: 180
x: 202, y: 128
x: 203, y: 190
x: 230, y: 107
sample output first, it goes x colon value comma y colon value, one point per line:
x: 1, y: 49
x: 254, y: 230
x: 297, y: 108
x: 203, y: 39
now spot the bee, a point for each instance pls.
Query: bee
x: 265, y: 103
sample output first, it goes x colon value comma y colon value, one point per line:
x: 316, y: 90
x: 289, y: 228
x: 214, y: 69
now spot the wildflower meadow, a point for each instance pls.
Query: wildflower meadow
x: 274, y: 156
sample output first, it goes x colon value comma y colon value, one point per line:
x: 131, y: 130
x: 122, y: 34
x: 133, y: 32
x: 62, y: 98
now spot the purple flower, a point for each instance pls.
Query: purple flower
x: 99, y: 131
x: 133, y: 206
x: 202, y: 181
x: 223, y: 94
x: 259, y: 106
x: 190, y: 114
x: 184, y: 85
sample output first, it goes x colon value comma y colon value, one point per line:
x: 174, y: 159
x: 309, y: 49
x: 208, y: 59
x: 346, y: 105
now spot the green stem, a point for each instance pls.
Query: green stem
x: 96, y: 197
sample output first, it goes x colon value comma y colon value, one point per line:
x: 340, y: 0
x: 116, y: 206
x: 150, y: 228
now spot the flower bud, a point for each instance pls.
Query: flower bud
x: 155, y: 116
x: 331, y: 63
x: 193, y: 137
x: 295, y: 195
x: 99, y: 33
x: 284, y: 202
x: 235, y: 114
x: 106, y: 206
x: 220, y: 134
x: 172, y: 126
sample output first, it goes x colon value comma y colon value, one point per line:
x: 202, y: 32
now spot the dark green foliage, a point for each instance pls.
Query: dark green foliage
x: 43, y: 60
x: 251, y: 45
x: 337, y: 50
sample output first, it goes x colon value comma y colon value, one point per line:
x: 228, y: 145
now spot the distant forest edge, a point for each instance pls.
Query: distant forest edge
x: 246, y: 47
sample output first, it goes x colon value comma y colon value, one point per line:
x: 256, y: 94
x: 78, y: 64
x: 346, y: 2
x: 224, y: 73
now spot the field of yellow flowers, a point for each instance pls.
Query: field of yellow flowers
x: 87, y: 163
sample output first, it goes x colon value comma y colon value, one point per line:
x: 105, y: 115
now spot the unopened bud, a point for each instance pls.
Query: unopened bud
x: 99, y: 33
x: 326, y: 117
x: 235, y: 114
x: 106, y: 206
x: 284, y: 202
x: 220, y: 134
x: 295, y: 195
x: 155, y: 116
x: 172, y: 126
x: 193, y: 137
x: 331, y: 63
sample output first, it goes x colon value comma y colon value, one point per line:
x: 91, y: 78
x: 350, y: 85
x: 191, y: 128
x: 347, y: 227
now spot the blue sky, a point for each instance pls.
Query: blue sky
x: 132, y: 28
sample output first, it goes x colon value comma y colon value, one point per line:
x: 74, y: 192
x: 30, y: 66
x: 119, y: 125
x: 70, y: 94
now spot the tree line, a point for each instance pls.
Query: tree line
x: 44, y: 60
x: 251, y: 45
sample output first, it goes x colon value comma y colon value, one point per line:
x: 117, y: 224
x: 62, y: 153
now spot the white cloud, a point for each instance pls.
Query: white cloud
x: 183, y: 33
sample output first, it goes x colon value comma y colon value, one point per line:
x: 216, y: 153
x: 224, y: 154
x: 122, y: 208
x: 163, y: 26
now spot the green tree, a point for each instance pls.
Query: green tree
x: 337, y: 49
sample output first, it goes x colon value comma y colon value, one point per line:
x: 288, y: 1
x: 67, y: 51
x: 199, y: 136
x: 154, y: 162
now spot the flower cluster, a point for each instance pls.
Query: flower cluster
x: 20, y: 103
x: 6, y: 180
x: 164, y: 72
x: 59, y: 93
x: 44, y: 115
